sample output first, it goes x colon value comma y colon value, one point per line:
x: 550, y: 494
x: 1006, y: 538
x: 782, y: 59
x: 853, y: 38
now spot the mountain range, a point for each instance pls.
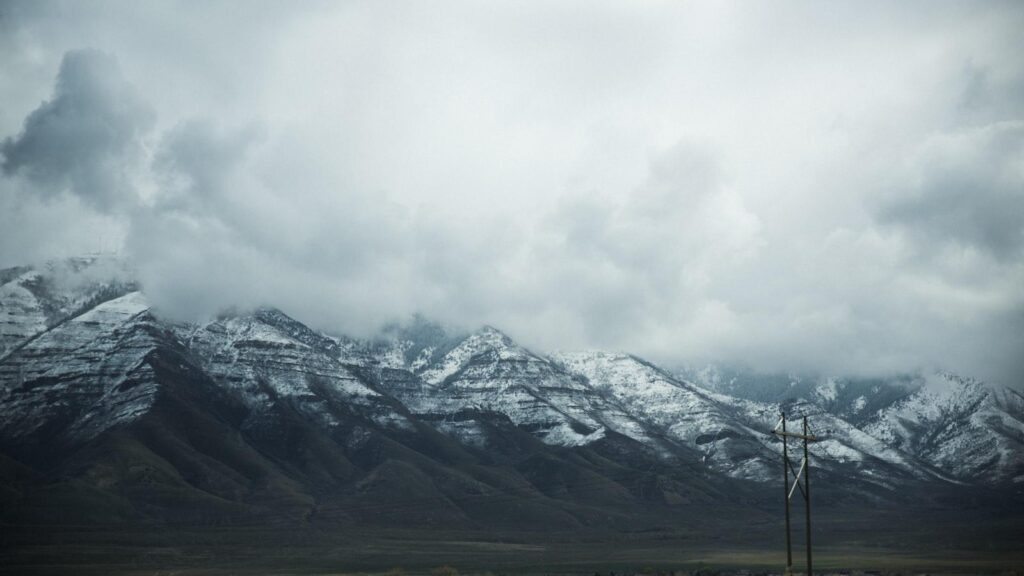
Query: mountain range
x: 110, y: 413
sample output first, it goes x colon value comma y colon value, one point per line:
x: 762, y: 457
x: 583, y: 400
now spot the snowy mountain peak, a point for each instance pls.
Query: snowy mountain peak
x: 81, y: 354
x: 491, y: 336
x: 485, y: 340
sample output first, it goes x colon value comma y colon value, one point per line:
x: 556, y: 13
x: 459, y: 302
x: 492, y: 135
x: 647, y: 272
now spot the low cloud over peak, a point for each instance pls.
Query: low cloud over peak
x: 772, y: 194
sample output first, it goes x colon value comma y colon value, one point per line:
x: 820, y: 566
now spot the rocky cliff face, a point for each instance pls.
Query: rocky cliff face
x: 256, y: 414
x: 972, y: 431
x: 959, y: 428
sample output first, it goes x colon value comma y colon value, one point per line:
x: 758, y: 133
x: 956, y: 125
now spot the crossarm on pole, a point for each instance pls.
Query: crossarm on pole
x: 808, y: 437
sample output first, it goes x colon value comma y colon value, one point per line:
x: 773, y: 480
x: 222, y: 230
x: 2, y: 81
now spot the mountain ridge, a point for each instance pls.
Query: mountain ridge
x: 253, y: 414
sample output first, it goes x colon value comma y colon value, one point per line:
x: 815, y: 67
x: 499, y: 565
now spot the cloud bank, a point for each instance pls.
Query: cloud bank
x: 836, y: 189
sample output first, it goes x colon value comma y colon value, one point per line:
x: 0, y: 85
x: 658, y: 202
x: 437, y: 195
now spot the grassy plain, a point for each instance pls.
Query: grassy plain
x: 935, y: 543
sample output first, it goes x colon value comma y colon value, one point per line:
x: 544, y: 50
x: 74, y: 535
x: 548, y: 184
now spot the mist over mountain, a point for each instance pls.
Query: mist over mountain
x: 130, y: 416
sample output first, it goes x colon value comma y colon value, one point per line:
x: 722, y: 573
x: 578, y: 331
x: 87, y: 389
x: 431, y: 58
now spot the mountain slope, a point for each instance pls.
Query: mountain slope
x: 254, y: 416
x: 941, y: 424
x: 972, y: 430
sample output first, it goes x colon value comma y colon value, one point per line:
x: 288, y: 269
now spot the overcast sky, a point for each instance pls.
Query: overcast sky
x: 827, y: 186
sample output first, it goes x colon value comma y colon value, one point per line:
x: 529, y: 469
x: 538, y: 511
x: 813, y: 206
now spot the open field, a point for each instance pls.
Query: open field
x: 934, y: 545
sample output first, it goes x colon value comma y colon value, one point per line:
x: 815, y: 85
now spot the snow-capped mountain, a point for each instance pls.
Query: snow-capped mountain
x: 252, y: 413
x: 967, y: 430
x: 970, y: 429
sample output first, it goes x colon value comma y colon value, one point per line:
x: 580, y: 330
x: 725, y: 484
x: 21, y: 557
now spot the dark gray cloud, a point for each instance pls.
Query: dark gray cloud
x: 968, y: 190
x: 87, y: 138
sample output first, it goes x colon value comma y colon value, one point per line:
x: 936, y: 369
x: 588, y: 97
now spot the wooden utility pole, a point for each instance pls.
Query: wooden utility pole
x: 805, y: 487
x: 807, y: 496
x: 785, y: 493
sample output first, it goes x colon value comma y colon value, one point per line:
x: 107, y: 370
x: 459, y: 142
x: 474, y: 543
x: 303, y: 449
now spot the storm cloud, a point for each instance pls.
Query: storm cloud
x: 87, y: 138
x: 967, y: 190
x: 828, y: 188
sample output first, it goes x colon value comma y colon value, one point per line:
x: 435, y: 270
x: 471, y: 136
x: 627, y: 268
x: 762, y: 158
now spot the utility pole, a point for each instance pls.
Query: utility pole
x: 805, y: 487
x: 807, y: 496
x: 785, y: 493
